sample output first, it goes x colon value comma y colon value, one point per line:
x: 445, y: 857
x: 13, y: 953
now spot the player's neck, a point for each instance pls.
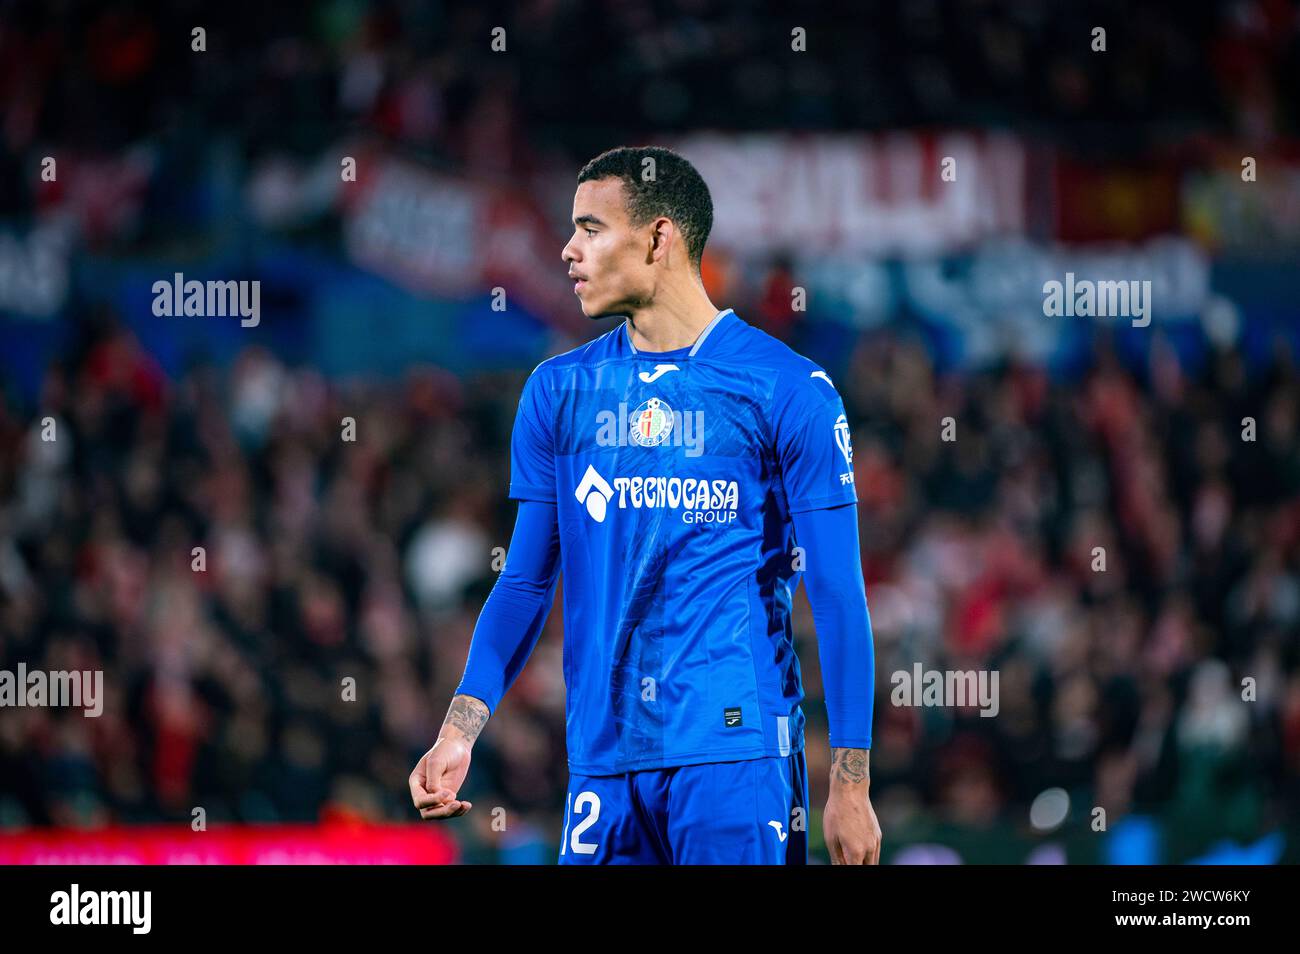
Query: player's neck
x: 672, y: 321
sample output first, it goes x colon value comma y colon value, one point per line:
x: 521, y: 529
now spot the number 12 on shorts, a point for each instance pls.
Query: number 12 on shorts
x: 580, y: 806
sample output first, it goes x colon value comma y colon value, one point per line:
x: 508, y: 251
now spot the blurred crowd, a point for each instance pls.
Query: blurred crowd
x: 1123, y: 549
x: 426, y: 75
x: 299, y: 663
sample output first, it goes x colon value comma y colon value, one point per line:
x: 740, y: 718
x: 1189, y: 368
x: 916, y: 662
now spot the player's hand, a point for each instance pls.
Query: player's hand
x: 850, y: 826
x: 851, y: 829
x: 438, y: 777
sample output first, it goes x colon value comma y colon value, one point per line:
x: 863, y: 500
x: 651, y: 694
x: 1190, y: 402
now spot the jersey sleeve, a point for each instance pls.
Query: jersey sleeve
x: 532, y: 443
x: 838, y: 597
x: 813, y: 448
x: 516, y: 608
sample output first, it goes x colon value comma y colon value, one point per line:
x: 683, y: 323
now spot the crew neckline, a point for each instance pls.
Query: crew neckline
x: 676, y: 353
x: 687, y: 352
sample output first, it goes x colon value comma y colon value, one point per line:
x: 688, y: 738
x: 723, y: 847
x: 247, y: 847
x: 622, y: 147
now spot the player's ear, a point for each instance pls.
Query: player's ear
x: 662, y: 234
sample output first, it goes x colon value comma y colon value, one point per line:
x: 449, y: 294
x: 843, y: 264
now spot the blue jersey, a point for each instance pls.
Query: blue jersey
x: 674, y: 477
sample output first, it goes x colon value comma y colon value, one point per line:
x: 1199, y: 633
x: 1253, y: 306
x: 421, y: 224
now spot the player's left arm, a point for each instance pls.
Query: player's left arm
x: 815, y: 457
x: 837, y: 595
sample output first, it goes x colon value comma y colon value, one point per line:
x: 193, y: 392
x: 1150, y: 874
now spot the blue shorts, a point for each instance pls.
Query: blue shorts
x: 753, y: 812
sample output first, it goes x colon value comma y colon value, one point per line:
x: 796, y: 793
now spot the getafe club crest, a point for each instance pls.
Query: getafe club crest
x: 651, y: 423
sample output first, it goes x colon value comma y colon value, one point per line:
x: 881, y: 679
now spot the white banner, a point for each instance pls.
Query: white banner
x: 890, y: 193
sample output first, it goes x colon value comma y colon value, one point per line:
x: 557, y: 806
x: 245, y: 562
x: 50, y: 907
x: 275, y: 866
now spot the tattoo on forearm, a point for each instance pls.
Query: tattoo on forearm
x: 850, y: 765
x: 467, y: 714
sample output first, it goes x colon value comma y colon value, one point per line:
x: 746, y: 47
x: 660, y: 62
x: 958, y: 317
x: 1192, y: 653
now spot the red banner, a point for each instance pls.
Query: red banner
x: 332, y: 844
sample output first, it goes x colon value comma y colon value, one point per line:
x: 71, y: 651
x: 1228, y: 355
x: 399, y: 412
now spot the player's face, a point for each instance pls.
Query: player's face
x: 608, y: 260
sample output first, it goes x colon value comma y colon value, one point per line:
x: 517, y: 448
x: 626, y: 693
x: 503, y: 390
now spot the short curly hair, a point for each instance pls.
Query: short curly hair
x: 676, y: 191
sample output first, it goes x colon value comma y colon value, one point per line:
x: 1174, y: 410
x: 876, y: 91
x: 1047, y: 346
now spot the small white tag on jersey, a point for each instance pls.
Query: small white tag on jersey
x: 783, y: 734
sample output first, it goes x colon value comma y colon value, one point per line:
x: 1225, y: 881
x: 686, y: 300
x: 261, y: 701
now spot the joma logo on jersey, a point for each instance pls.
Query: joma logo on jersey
x: 699, y: 500
x: 652, y: 424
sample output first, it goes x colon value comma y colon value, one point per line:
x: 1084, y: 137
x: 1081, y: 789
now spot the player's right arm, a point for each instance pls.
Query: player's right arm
x: 513, y: 615
x: 504, y: 637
